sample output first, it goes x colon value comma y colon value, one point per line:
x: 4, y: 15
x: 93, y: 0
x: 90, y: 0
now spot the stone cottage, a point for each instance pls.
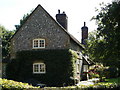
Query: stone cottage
x: 43, y: 51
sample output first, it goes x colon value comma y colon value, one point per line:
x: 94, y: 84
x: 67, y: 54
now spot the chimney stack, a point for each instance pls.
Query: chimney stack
x: 84, y: 33
x: 62, y: 19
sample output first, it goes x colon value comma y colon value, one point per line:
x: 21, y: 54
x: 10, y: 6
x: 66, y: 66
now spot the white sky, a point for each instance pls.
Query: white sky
x: 78, y: 11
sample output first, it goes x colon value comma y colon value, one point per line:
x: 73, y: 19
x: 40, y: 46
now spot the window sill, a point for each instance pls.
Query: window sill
x: 39, y: 72
x: 39, y: 48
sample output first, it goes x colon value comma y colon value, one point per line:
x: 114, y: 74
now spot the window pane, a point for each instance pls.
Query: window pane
x: 42, y: 68
x: 36, y: 68
x: 35, y: 43
x: 41, y: 43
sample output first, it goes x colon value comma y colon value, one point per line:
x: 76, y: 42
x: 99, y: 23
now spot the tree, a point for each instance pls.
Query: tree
x: 105, y: 46
x: 92, y: 47
x: 23, y: 20
x: 5, y: 35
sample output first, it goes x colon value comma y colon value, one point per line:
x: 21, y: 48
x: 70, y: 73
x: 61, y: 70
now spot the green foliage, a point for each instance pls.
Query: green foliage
x: 97, y: 71
x: 13, y: 85
x: 110, y: 84
x: 109, y: 28
x: 98, y: 86
x: 5, y: 35
x: 111, y: 72
x: 104, y: 47
x: 93, y: 75
x: 105, y: 86
x: 59, y: 67
x: 23, y: 20
x: 93, y: 49
x: 113, y: 80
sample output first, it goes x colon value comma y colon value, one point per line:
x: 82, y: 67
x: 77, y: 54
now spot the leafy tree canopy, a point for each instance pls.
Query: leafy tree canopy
x: 103, y: 44
x: 5, y: 35
x: 23, y: 20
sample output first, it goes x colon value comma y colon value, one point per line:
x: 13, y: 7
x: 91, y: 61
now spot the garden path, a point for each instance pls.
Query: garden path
x: 89, y: 81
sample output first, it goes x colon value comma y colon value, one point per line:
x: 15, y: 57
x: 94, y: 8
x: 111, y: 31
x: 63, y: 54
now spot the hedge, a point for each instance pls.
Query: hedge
x: 59, y: 67
x: 13, y: 85
x: 98, y: 86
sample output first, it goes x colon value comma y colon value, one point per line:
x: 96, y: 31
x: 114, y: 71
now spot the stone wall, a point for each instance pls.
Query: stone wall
x: 39, y: 25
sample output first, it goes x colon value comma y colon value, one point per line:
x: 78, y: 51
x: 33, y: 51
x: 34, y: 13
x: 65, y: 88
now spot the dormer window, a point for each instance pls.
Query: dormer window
x: 38, y: 43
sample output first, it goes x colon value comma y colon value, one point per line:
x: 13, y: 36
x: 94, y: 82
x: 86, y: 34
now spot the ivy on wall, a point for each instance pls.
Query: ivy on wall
x: 59, y: 67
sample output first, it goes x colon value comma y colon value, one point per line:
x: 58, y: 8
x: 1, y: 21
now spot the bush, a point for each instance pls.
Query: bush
x: 111, y: 72
x: 97, y: 71
x: 99, y: 86
x: 10, y: 85
x: 13, y: 85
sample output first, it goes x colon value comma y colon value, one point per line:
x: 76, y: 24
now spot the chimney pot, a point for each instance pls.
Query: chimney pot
x: 58, y: 11
x: 84, y: 24
x: 63, y: 12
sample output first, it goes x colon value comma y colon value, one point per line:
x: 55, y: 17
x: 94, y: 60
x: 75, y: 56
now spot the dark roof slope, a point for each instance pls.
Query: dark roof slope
x: 88, y: 60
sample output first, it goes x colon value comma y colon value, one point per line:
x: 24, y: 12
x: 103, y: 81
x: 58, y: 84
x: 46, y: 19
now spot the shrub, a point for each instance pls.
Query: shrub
x: 97, y: 71
x: 93, y: 74
x: 111, y: 72
x: 98, y: 86
x: 10, y: 85
x: 13, y: 85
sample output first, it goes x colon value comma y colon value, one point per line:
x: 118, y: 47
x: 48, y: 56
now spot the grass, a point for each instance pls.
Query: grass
x: 112, y: 80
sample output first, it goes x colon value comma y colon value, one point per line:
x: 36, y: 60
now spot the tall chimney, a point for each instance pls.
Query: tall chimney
x: 84, y: 33
x: 62, y: 19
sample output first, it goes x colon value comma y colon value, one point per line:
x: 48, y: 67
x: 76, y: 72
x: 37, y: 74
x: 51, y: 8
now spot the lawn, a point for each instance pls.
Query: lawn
x: 112, y: 80
x: 113, y: 83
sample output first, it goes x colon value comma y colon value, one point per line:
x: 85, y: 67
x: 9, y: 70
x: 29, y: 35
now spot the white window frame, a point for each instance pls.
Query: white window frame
x: 85, y: 68
x: 40, y: 70
x: 38, y: 44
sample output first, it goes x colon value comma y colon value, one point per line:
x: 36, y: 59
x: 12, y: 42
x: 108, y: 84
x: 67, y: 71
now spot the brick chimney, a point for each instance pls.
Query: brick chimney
x: 84, y: 33
x: 62, y: 19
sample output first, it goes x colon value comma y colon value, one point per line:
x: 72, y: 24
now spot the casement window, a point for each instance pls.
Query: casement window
x: 39, y: 68
x: 85, y: 68
x: 39, y: 43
